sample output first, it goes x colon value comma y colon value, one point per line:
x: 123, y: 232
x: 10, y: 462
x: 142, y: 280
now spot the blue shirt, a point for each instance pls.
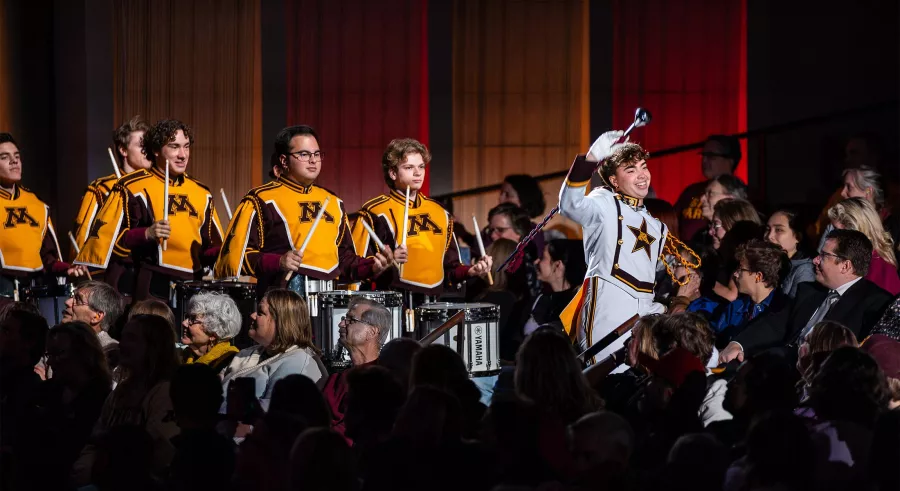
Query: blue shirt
x: 740, y: 312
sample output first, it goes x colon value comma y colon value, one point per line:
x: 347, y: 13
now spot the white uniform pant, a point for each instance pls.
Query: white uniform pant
x: 606, y: 306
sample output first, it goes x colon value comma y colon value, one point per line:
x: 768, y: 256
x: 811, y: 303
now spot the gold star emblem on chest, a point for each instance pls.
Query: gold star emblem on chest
x: 642, y: 240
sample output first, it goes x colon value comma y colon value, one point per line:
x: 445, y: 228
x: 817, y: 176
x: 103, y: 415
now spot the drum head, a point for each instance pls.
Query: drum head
x: 444, y: 310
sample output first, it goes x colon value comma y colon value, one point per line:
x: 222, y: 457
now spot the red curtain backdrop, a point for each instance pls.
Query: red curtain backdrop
x: 357, y: 71
x: 684, y: 61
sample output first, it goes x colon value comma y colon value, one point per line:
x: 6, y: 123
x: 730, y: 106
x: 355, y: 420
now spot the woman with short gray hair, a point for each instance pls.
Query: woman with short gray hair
x: 213, y: 320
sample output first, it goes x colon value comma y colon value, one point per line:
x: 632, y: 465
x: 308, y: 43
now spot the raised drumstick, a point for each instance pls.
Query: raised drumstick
x: 77, y: 250
x: 225, y: 202
x: 481, y: 247
x: 311, y: 231
x: 166, y: 201
x: 375, y: 238
x: 405, y: 224
x: 112, y: 158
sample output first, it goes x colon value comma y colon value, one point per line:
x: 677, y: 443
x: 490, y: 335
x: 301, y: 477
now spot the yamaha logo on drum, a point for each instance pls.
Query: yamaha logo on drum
x: 479, y: 346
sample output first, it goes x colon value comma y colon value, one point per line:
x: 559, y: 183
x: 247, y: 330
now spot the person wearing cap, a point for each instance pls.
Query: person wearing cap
x: 720, y: 156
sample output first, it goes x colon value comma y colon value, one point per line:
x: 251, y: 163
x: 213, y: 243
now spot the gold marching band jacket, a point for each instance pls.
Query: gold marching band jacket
x: 28, y: 243
x: 135, y: 202
x: 433, y: 254
x: 91, y: 203
x: 275, y: 218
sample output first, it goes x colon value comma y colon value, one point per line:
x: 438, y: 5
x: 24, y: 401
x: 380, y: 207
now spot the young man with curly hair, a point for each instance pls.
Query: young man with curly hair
x: 431, y: 254
x: 132, y: 222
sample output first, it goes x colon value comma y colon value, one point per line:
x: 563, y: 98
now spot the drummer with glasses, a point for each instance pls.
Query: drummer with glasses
x: 363, y: 331
x: 273, y: 221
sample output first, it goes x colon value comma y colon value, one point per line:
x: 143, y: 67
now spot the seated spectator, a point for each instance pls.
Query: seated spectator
x: 64, y: 408
x: 439, y: 366
x: 23, y: 337
x: 8, y: 307
x: 374, y: 399
x: 153, y: 307
x: 507, y: 221
x: 281, y: 326
x: 98, y: 305
x: 362, y: 332
x: 685, y: 330
x: 698, y: 462
x: 525, y: 192
x: 720, y: 157
x: 826, y: 337
x: 840, y: 294
x: 522, y: 447
x: 866, y: 183
x: 148, y: 360
x: 561, y: 269
x: 196, y: 394
x: 858, y: 214
x: 213, y: 320
x: 761, y: 268
x: 601, y: 445
x: 125, y: 460
x: 726, y: 214
x: 322, y: 461
x: 618, y: 390
x: 548, y: 375
x: 780, y: 455
x: 397, y: 356
x: 785, y: 229
x: 886, y: 352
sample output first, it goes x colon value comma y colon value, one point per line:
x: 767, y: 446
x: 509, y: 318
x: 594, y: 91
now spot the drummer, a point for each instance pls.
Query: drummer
x: 432, y: 261
x: 272, y: 221
x: 28, y: 245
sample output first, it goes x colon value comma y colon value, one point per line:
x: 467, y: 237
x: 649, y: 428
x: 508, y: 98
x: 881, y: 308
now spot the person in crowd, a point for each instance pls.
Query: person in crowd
x: 726, y: 214
x: 155, y: 307
x: 886, y: 352
x: 322, y: 461
x: 63, y: 409
x: 510, y: 293
x: 196, y: 394
x: 697, y: 461
x: 213, y: 320
x: 125, y: 461
x: 148, y: 360
x: 859, y: 214
x: 685, y: 330
x: 865, y: 182
x: 720, y: 157
x: 23, y: 337
x: 363, y: 331
x: 889, y: 324
x: 9, y: 307
x: 439, y: 366
x: 662, y: 210
x: 282, y: 329
x: 507, y: 221
x: 561, y: 269
x: 98, y: 305
x: 762, y: 266
x: 826, y: 337
x: 619, y: 391
x: 840, y: 293
x: 548, y: 375
x: 523, y: 191
x: 397, y: 356
x: 779, y: 455
x: 786, y: 229
x: 601, y: 444
x: 374, y: 399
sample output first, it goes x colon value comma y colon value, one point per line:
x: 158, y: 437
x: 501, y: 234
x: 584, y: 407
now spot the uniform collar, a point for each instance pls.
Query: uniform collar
x: 296, y: 186
x: 400, y: 196
x: 175, y: 181
x: 10, y: 196
x: 628, y: 200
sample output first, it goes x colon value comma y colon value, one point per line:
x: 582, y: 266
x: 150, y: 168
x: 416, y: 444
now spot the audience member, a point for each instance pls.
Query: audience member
x: 698, y: 462
x: 321, y: 460
x: 601, y: 444
x: 523, y: 191
x: 397, y: 356
x: 720, y: 156
x: 824, y: 338
x: 858, y: 214
x: 363, y: 331
x: 373, y: 401
x: 213, y: 320
x: 865, y: 182
x: 7, y: 307
x: 780, y: 455
x: 886, y: 352
x: 507, y: 221
x: 281, y: 326
x: 155, y: 307
x: 148, y: 360
x: 125, y: 460
x: 840, y: 294
x: 561, y: 269
x: 203, y: 458
x: 439, y: 366
x: 98, y: 305
x: 786, y: 229
x: 726, y: 214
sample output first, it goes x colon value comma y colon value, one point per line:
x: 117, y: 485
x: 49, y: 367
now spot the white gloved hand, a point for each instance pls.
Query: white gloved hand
x: 604, y: 146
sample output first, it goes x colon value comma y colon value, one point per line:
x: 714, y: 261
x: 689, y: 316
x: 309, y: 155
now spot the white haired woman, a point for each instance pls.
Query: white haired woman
x: 213, y: 321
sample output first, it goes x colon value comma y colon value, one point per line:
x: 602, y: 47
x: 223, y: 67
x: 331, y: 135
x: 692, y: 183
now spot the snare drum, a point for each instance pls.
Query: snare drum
x: 480, y: 330
x: 333, y: 306
x: 49, y: 299
x: 243, y: 294
x: 309, y: 289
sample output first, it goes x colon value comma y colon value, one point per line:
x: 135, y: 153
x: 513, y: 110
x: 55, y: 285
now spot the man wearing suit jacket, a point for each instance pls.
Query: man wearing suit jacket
x: 840, y: 294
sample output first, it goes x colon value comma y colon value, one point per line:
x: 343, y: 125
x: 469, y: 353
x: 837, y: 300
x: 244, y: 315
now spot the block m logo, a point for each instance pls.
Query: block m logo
x: 18, y: 216
x: 179, y: 203
x: 423, y: 223
x: 309, y: 210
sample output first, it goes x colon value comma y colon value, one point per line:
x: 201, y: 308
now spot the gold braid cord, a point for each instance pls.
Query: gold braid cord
x: 672, y: 247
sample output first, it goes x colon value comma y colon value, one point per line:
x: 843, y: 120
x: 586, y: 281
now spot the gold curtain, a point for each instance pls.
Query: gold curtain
x: 197, y: 61
x: 520, y: 95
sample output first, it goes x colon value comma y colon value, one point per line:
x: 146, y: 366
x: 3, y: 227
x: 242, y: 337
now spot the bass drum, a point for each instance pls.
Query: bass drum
x: 478, y: 342
x: 332, y: 306
x: 243, y: 294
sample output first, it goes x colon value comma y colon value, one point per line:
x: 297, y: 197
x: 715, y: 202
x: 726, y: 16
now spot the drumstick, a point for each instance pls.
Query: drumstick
x: 225, y: 201
x: 375, y: 238
x: 15, y: 290
x: 481, y: 246
x: 77, y: 250
x: 166, y: 202
x: 115, y: 164
x: 405, y: 224
x: 311, y: 231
